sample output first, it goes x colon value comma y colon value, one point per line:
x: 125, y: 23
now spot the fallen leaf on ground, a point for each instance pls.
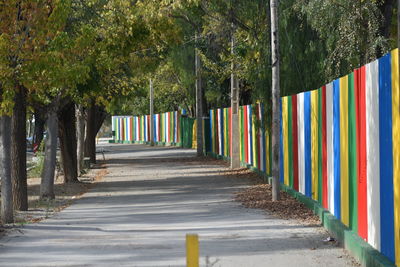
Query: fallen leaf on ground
x: 259, y: 196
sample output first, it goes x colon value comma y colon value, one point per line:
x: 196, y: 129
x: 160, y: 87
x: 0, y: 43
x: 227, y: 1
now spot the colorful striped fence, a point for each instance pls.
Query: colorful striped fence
x: 136, y: 129
x: 341, y: 147
x: 254, y: 141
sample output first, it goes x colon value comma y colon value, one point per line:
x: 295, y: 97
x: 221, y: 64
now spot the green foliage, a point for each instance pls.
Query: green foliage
x: 302, y: 63
x: 27, y: 30
x: 108, y: 50
x: 319, y: 41
x: 349, y: 31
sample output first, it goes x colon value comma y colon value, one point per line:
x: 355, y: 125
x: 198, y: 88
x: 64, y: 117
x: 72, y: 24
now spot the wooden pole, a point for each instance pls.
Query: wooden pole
x: 275, y: 99
x: 199, y: 102
x: 151, y: 113
x: 235, y: 152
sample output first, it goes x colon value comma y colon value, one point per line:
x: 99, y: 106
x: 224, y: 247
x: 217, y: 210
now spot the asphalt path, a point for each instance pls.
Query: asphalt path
x: 139, y: 214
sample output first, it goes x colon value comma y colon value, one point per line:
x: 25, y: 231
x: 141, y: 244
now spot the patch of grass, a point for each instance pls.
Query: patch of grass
x: 35, y: 170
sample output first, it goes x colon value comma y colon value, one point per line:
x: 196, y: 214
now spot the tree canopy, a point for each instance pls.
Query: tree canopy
x: 109, y: 49
x: 320, y: 41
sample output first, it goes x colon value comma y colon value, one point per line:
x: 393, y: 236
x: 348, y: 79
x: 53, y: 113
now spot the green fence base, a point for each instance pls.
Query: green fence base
x: 357, y: 247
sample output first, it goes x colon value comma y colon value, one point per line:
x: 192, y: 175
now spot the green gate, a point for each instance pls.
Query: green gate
x: 187, y: 131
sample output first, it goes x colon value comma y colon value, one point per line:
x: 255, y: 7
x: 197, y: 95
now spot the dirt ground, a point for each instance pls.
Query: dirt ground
x: 259, y: 196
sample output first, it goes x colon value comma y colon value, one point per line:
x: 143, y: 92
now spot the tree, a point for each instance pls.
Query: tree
x: 80, y: 136
x: 54, y: 73
x: 28, y: 32
x: 15, y: 29
x: 16, y: 34
x: 133, y: 43
x: 95, y: 118
x: 5, y: 165
x: 18, y: 150
x: 49, y: 163
x: 5, y: 170
x: 68, y: 142
x: 353, y: 36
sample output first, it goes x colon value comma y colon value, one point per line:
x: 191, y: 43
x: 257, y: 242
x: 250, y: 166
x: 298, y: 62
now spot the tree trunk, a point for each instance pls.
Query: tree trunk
x: 18, y: 151
x: 275, y: 99
x: 80, y: 136
x: 68, y: 143
x: 40, y: 121
x: 387, y: 13
x: 94, y: 119
x: 7, y: 215
x: 199, y: 104
x: 90, y: 141
x: 49, y: 164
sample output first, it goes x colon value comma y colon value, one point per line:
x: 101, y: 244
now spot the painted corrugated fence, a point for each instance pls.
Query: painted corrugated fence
x: 341, y: 147
x: 254, y: 140
x: 136, y: 129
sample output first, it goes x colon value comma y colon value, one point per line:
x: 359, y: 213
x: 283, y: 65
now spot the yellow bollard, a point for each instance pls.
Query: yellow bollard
x: 192, y: 250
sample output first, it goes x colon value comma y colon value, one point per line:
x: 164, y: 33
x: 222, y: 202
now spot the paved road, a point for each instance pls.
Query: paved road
x: 139, y: 215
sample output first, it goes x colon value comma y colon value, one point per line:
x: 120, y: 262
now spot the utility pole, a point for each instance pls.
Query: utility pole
x: 275, y: 99
x: 7, y: 212
x: 151, y: 113
x: 199, y: 102
x: 235, y: 160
